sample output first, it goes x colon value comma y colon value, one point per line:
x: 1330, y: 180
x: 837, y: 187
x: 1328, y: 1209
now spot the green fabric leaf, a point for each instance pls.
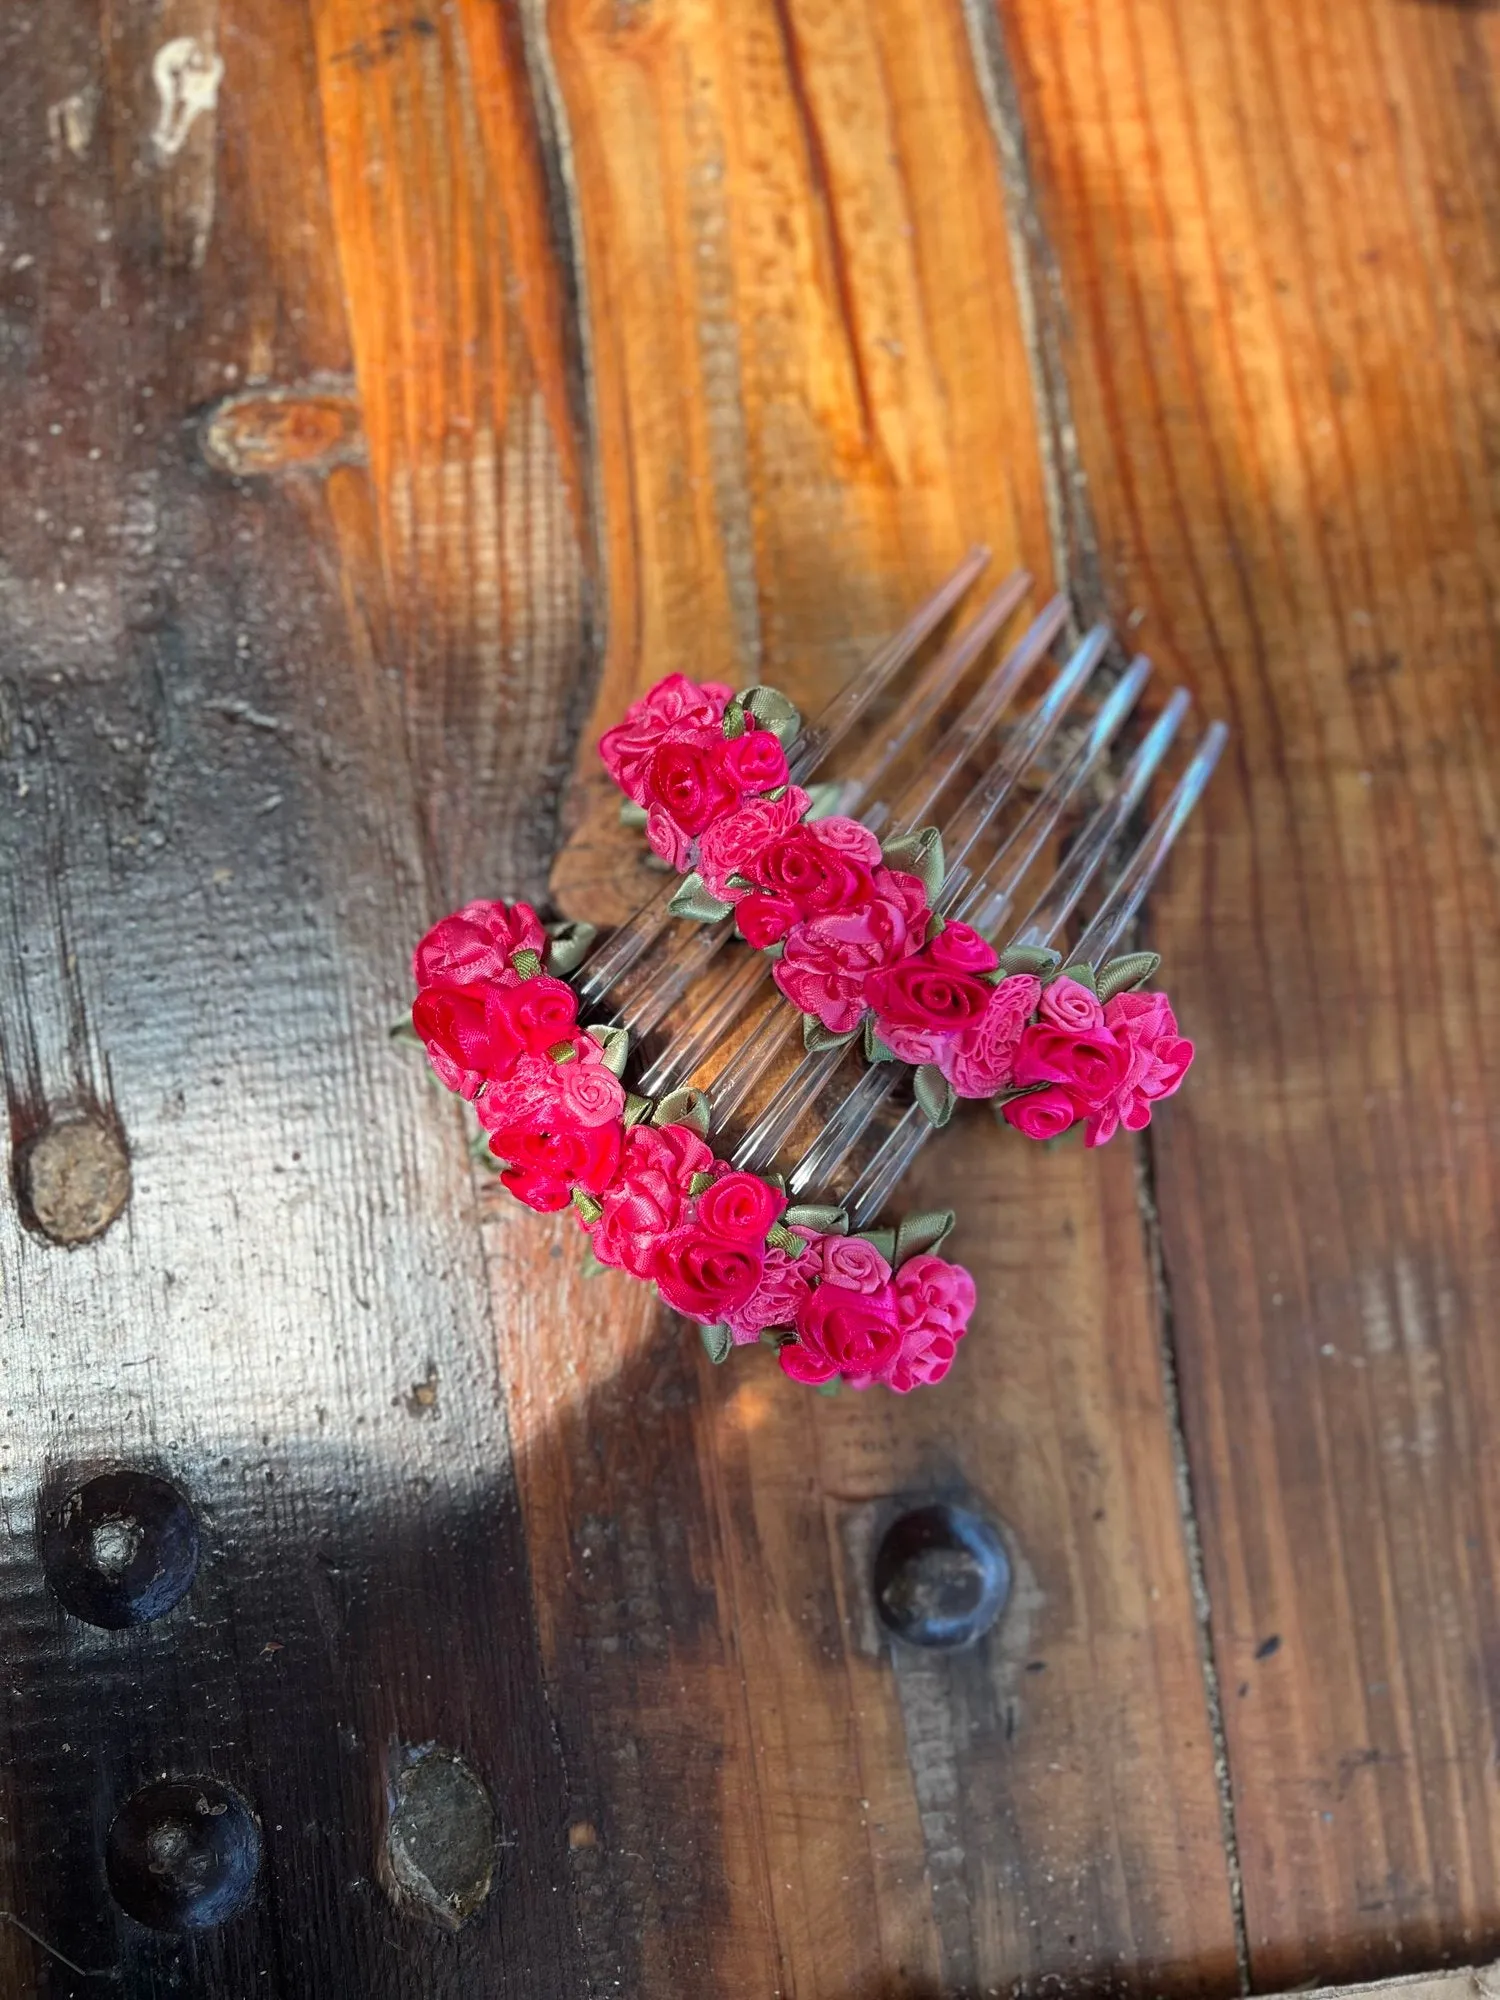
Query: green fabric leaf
x: 920, y: 854
x: 741, y: 882
x: 734, y: 723
x: 693, y: 900
x: 1082, y: 973
x: 875, y: 1048
x: 636, y: 1108
x: 936, y: 925
x: 1033, y: 958
x: 773, y: 952
x: 825, y: 1217
x: 526, y: 964
x: 591, y: 1267
x: 823, y: 799
x: 615, y: 1042
x: 816, y: 1038
x: 405, y: 1035
x: 924, y: 1231
x: 631, y: 814
x: 883, y: 1240
x: 718, y: 1343
x: 1123, y: 975
x: 831, y: 1387
x: 773, y: 711
x: 571, y: 940
x: 934, y: 1093
x: 589, y: 1206
x: 684, y: 1107
x: 698, y: 1183
x: 778, y: 1337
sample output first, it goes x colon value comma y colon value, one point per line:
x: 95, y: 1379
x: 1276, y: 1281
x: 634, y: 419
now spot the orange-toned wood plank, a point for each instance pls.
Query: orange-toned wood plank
x: 812, y: 390
x: 1275, y: 225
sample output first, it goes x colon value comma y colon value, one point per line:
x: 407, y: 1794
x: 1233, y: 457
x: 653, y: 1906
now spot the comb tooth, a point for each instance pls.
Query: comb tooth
x: 1145, y: 865
x: 796, y: 1097
x: 987, y: 899
x: 984, y: 710
x: 707, y: 1026
x: 1090, y: 850
x: 883, y: 1172
x: 849, y: 704
x: 606, y: 966
x: 928, y: 695
x: 750, y: 1061
x: 992, y: 892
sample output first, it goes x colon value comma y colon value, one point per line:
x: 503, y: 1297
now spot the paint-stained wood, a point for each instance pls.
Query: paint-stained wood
x: 1275, y: 228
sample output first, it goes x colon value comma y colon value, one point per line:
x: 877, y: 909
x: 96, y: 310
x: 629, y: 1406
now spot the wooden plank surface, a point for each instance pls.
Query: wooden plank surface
x: 1275, y: 226
x: 392, y: 393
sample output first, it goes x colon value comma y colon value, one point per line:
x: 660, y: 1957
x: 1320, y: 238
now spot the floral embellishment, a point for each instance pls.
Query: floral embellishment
x: 720, y: 1244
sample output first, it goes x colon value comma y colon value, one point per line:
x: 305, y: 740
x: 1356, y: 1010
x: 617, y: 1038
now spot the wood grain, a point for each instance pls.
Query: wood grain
x: 812, y: 390
x: 223, y: 713
x: 1276, y: 231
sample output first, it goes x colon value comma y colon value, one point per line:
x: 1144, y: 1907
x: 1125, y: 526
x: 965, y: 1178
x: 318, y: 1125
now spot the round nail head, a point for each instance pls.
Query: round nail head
x: 440, y: 1840
x: 74, y: 1179
x: 942, y: 1576
x: 120, y: 1549
x: 183, y: 1854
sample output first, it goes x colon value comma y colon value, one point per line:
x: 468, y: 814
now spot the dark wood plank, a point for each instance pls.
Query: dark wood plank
x: 1276, y: 229
x: 253, y: 734
x: 812, y: 391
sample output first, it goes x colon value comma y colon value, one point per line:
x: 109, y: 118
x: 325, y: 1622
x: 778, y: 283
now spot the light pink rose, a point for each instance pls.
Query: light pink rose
x: 1067, y: 1004
x: 934, y: 1301
x: 776, y: 1300
x: 478, y: 942
x: 589, y: 1092
x: 913, y: 1045
x: 852, y: 840
x: 826, y: 962
x: 1159, y: 1060
x: 732, y: 842
x: 856, y: 1265
x: 666, y: 839
x: 674, y: 703
x: 1042, y: 1114
x: 649, y: 1195
x: 981, y: 1061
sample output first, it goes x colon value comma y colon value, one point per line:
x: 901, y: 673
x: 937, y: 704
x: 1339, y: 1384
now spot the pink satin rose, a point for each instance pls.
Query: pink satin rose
x: 754, y: 762
x: 851, y: 1262
x: 478, y: 942
x: 1067, y: 1004
x: 740, y: 1207
x: 529, y: 1094
x: 764, y: 920
x: 1159, y: 1060
x: 682, y: 777
x: 960, y: 947
x: 1092, y: 1066
x: 648, y: 1197
x: 705, y: 1276
x: 732, y: 842
x: 852, y: 840
x: 589, y: 1093
x: 981, y: 1061
x: 674, y: 703
x: 667, y: 840
x: 816, y: 877
x: 1042, y: 1114
x: 826, y: 962
x: 468, y: 1038
x: 851, y: 1334
x: 931, y: 998
x: 541, y: 1012
x: 777, y: 1299
x: 934, y: 1301
x: 545, y: 1162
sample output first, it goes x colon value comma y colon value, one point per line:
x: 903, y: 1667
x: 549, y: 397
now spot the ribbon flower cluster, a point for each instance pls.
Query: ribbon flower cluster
x: 721, y: 1246
x: 858, y: 945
